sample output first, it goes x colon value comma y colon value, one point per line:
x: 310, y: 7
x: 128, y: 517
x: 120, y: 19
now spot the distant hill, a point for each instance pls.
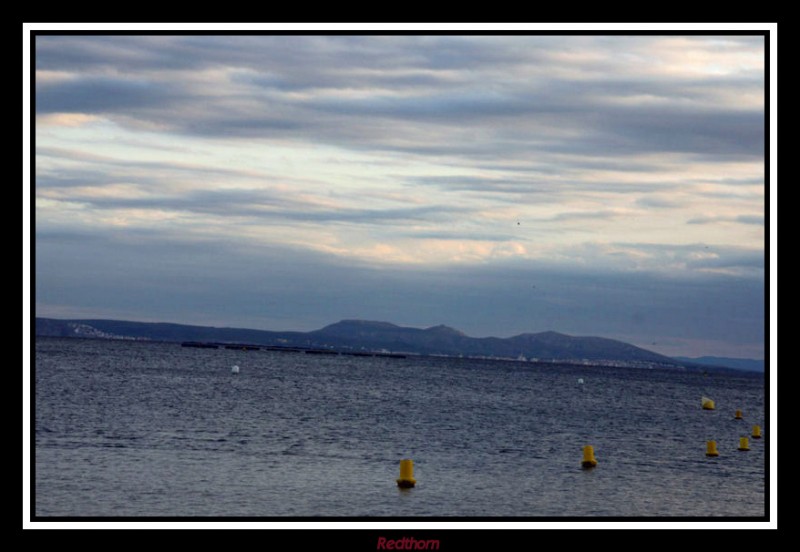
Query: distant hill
x: 735, y: 363
x: 363, y: 335
x: 446, y: 340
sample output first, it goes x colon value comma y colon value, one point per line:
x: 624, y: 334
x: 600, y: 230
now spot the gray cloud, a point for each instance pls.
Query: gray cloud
x: 170, y: 278
x: 521, y: 185
x: 298, y: 56
x: 657, y: 202
x: 459, y: 236
x: 740, y: 219
x: 119, y: 164
x: 543, y: 185
x: 731, y: 181
x: 263, y: 204
x: 82, y: 53
x: 696, y: 132
x: 462, y: 84
x: 591, y: 215
x: 103, y: 94
x: 750, y: 219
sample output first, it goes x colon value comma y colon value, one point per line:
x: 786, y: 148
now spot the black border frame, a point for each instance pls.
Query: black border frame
x: 444, y: 535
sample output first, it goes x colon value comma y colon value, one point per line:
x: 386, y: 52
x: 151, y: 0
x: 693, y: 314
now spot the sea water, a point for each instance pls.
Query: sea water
x: 127, y: 428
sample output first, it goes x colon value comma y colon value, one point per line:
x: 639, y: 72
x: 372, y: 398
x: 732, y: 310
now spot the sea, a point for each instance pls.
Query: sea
x: 141, y: 429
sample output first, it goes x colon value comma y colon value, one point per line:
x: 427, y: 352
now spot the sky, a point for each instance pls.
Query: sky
x: 608, y: 185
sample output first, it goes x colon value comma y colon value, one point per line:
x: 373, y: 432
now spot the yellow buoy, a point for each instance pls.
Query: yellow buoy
x: 744, y: 444
x: 738, y: 415
x: 708, y: 404
x: 711, y: 448
x: 589, y: 461
x: 756, y: 432
x: 406, y: 480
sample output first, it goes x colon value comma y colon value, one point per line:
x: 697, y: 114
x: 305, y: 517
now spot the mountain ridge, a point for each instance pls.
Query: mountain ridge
x: 356, y: 335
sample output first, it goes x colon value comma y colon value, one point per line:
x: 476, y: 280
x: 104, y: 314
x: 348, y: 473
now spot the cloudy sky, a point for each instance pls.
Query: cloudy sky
x: 591, y: 185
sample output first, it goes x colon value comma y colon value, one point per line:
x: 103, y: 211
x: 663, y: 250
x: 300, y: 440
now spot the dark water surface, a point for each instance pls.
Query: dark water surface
x: 146, y: 429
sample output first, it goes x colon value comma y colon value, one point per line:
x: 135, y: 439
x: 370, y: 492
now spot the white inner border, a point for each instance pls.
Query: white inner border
x: 432, y: 27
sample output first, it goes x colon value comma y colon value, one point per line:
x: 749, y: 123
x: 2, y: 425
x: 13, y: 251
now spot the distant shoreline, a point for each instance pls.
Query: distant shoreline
x: 67, y: 329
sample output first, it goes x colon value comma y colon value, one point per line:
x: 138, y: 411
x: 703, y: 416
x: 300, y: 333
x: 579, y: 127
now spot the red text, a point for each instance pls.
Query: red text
x: 407, y: 543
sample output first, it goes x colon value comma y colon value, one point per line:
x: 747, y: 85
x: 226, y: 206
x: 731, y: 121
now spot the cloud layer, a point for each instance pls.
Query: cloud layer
x: 415, y: 158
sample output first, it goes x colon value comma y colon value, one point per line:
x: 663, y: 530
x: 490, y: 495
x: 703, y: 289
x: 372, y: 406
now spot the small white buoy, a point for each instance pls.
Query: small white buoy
x: 234, y: 369
x: 580, y: 381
